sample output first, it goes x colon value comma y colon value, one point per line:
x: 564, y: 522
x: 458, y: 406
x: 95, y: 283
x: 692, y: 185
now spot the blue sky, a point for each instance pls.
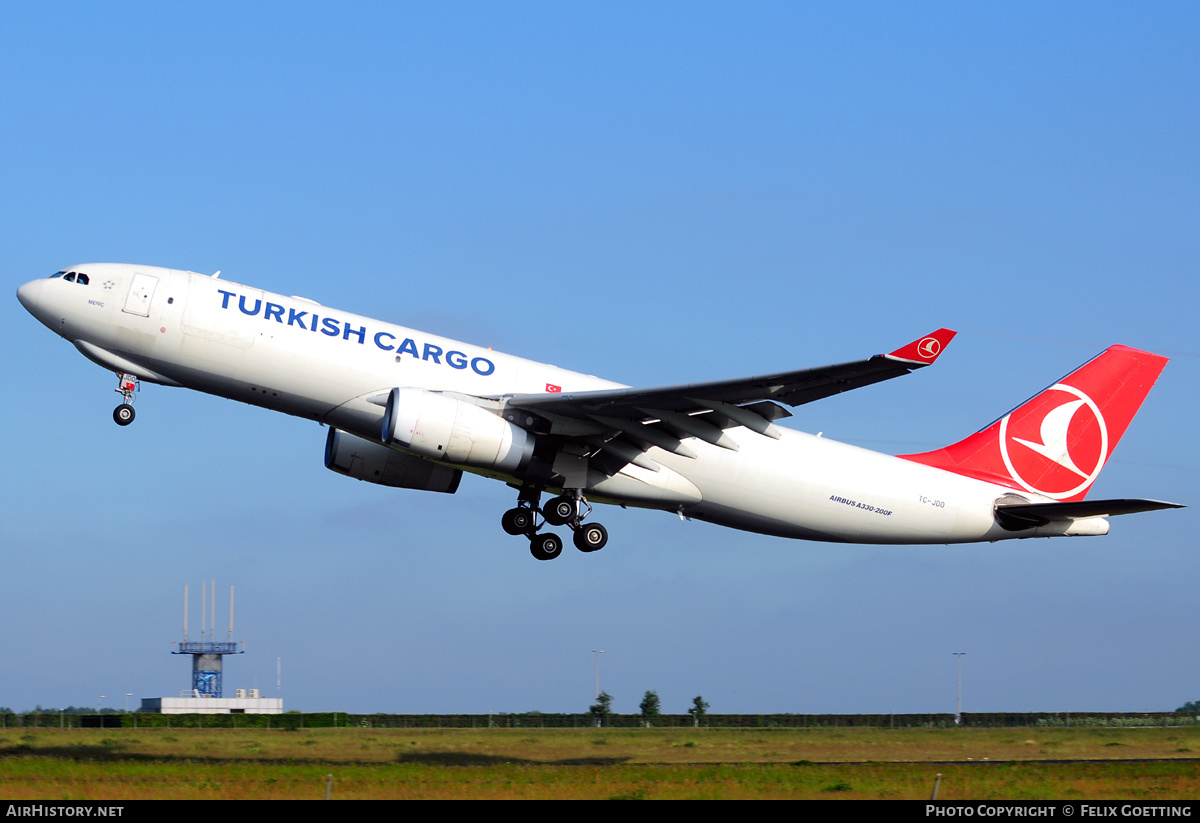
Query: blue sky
x: 653, y: 193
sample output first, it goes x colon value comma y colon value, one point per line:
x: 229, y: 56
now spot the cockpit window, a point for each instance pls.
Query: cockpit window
x: 70, y: 278
x: 57, y: 274
x: 81, y: 278
x: 73, y: 277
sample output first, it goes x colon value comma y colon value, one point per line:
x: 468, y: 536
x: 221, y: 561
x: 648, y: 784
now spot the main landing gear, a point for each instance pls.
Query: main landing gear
x: 569, y: 509
x: 126, y: 386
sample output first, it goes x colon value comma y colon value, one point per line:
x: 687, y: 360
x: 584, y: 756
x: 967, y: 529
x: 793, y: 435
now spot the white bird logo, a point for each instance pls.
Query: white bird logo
x: 929, y: 347
x: 1054, y: 437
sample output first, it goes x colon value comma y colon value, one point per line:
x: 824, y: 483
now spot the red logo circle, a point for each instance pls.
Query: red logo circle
x: 1056, y: 443
x: 929, y: 347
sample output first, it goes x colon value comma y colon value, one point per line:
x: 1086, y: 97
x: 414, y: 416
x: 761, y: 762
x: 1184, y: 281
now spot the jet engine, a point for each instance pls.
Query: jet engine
x: 445, y: 428
x: 363, y: 460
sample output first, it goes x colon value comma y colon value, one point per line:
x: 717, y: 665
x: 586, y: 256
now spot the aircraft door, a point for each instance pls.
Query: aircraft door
x: 141, y: 291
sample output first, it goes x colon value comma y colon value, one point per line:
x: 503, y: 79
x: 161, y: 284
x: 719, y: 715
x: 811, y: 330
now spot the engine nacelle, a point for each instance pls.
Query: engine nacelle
x: 445, y: 428
x: 363, y: 460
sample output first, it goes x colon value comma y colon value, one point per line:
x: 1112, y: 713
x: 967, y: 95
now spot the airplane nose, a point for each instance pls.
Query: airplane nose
x: 29, y: 293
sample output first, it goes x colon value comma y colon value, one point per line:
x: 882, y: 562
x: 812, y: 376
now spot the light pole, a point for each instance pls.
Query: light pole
x: 98, y: 699
x: 597, y: 652
x: 958, y: 714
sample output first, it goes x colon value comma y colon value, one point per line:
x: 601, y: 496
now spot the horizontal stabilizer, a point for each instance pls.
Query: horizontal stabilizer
x: 1026, y: 515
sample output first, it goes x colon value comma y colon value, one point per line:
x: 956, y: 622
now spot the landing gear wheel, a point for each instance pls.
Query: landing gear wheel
x: 545, y: 546
x: 123, y: 414
x: 517, y: 521
x: 590, y: 537
x: 559, y: 511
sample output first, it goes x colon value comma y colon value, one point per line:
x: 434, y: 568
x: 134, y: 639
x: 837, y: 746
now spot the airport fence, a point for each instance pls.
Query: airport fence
x: 295, y: 721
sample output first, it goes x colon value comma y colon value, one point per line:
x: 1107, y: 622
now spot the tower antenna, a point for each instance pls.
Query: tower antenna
x: 207, y: 653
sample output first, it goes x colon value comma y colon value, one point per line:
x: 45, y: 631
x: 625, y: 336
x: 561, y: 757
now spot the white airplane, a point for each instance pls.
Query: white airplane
x: 414, y: 411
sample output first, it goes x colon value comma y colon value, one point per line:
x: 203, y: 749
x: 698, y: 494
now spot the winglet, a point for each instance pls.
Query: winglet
x: 925, y: 350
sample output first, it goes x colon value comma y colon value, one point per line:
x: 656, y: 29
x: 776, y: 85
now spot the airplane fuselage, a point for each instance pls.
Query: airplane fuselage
x: 292, y: 355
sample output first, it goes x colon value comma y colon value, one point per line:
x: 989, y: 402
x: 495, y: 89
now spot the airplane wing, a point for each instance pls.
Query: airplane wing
x: 666, y: 415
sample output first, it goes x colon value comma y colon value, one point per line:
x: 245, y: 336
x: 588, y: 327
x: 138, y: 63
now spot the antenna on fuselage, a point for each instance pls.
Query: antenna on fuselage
x: 217, y: 274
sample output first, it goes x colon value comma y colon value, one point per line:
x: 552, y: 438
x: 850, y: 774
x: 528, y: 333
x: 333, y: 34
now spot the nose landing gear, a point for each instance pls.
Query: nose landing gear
x: 126, y: 386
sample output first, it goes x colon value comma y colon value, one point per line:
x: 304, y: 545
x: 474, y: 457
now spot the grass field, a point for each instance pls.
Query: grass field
x: 127, y: 764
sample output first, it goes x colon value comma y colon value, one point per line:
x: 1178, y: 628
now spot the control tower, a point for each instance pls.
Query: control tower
x: 207, y: 652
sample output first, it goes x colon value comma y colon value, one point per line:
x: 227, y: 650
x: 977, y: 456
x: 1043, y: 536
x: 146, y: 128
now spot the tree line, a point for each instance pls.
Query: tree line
x: 651, y: 708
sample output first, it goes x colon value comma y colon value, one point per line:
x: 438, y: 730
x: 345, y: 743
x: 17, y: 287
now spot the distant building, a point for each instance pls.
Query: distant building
x: 212, y: 705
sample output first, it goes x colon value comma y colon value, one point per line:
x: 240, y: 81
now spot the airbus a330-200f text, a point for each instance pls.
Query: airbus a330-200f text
x: 414, y: 411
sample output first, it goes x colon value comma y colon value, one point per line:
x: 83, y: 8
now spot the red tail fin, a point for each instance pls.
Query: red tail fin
x: 1057, y: 443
